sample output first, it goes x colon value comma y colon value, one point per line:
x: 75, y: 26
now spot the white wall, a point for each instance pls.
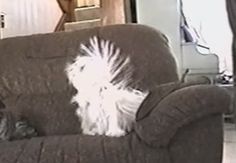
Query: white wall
x: 163, y: 15
x: 25, y: 17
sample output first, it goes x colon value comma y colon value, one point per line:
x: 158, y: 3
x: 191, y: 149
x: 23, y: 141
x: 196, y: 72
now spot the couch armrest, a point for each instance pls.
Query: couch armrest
x: 199, y: 142
x: 178, y: 109
x: 159, y: 93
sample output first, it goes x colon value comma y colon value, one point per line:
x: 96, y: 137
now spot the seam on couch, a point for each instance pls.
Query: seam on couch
x: 40, y: 151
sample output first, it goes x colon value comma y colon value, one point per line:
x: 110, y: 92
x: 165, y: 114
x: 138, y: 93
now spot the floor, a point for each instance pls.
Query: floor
x: 229, y: 143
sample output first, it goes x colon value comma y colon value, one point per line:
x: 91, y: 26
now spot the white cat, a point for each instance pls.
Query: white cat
x: 106, y: 104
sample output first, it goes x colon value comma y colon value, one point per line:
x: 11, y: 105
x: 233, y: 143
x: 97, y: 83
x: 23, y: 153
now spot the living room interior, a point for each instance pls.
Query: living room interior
x: 199, y: 35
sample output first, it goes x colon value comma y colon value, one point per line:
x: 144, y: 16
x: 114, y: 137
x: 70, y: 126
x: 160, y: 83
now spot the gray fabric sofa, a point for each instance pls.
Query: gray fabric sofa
x: 176, y: 123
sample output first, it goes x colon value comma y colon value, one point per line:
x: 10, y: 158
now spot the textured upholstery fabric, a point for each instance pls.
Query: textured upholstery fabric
x: 40, y: 60
x: 81, y: 149
x: 35, y: 67
x: 177, y: 123
x: 178, y: 108
x: 2, y: 105
x: 49, y: 114
x: 159, y: 93
x: 199, y: 141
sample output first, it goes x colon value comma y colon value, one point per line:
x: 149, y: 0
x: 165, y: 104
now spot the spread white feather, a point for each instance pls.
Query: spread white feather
x: 106, y: 106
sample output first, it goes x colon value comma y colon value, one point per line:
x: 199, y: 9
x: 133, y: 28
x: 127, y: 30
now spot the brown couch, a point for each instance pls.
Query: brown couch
x: 176, y: 123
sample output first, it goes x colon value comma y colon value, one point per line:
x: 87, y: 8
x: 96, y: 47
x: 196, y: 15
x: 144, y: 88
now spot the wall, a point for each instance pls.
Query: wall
x: 163, y: 15
x: 25, y: 17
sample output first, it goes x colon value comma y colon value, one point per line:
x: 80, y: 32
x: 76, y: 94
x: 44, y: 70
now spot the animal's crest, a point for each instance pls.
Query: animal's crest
x: 101, y: 63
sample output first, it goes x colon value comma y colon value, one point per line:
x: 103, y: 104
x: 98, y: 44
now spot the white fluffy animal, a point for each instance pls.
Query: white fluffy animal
x: 106, y: 104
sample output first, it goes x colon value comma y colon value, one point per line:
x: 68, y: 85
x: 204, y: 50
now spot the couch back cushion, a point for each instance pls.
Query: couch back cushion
x: 34, y: 66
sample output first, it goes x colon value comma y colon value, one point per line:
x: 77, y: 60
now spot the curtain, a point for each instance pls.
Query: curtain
x: 231, y: 10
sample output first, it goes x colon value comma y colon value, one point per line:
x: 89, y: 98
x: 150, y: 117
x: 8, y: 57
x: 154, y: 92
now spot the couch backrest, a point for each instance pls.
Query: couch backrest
x: 34, y: 83
x: 35, y: 64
